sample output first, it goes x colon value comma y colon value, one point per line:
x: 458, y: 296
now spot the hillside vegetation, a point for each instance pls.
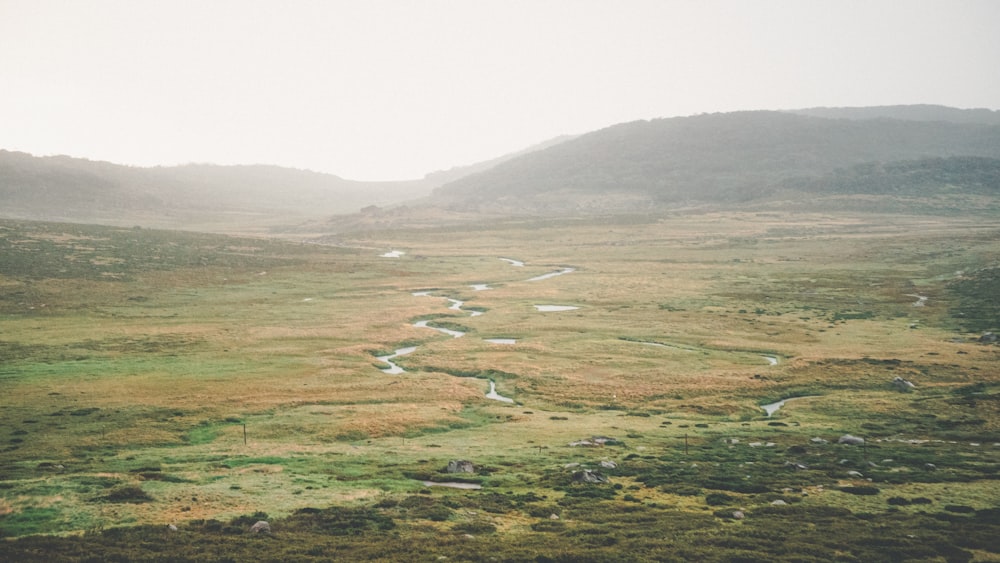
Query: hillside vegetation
x: 722, y: 159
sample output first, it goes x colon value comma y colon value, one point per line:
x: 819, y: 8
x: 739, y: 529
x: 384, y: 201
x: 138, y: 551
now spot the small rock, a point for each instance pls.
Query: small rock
x: 930, y: 467
x: 818, y: 440
x: 172, y: 528
x: 779, y: 502
x: 988, y: 338
x: 738, y: 515
x: 553, y: 516
x: 857, y: 474
x: 609, y: 464
x: 261, y: 527
x: 851, y: 440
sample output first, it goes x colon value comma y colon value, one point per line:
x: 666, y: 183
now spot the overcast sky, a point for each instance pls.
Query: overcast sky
x: 394, y: 89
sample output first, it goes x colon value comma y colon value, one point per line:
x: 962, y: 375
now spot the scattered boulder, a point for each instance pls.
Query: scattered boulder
x: 856, y: 474
x: 595, y: 441
x: 172, y: 528
x: 779, y: 502
x: 460, y: 466
x: 851, y: 440
x: 608, y: 464
x: 261, y: 527
x: 588, y: 476
x: 553, y: 516
x: 818, y: 440
x: 988, y: 338
x: 902, y: 385
x: 738, y: 515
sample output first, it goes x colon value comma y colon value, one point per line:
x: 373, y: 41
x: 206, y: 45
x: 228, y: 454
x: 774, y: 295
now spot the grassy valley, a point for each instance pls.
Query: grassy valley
x: 164, y: 391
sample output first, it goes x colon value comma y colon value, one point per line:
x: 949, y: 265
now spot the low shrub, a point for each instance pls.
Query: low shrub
x: 129, y: 494
x: 861, y: 490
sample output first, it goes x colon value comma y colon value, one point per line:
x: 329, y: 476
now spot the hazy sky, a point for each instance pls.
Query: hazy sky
x: 393, y: 89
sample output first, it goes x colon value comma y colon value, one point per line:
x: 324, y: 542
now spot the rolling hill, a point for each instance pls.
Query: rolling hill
x: 827, y: 158
x: 199, y: 196
x: 729, y: 158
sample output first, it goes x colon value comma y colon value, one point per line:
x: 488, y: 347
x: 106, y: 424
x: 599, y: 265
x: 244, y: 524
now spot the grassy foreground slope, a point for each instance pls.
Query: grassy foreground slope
x: 155, y: 378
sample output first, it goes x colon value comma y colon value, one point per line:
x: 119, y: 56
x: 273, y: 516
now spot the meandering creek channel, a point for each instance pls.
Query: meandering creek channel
x: 456, y: 305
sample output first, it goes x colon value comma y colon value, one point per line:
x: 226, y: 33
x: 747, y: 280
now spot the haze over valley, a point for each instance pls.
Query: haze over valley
x: 791, y: 160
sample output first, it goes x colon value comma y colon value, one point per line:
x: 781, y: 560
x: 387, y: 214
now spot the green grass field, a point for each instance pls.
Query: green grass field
x: 155, y: 378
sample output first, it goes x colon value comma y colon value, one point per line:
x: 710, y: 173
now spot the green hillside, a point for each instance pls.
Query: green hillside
x: 717, y: 158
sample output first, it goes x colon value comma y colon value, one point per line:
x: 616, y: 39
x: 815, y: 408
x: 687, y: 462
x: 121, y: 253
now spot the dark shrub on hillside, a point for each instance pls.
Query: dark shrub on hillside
x: 959, y: 508
x: 339, y: 521
x: 863, y: 490
x: 718, y: 499
x: 127, y: 494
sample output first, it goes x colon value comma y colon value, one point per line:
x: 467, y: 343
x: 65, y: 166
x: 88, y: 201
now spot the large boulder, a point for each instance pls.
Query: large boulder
x: 851, y: 440
x: 460, y: 466
x: 903, y: 385
x: 589, y: 476
x: 261, y: 527
x: 596, y: 441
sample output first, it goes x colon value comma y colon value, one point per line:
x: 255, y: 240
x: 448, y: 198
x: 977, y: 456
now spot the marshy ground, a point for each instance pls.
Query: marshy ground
x: 155, y: 378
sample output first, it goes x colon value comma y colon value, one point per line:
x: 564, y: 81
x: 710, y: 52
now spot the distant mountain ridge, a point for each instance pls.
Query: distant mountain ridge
x: 918, y: 112
x: 200, y: 196
x: 716, y: 158
x: 61, y: 188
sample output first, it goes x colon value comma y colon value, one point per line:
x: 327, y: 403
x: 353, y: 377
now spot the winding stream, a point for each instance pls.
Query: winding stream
x: 393, y: 367
x: 552, y: 274
x: 496, y: 396
x: 773, y: 407
x: 555, y: 308
x: 453, y: 485
x: 448, y: 331
x: 456, y: 305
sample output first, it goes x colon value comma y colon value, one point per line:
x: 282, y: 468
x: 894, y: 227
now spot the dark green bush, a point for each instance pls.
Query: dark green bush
x: 128, y: 494
x: 718, y: 499
x: 861, y: 490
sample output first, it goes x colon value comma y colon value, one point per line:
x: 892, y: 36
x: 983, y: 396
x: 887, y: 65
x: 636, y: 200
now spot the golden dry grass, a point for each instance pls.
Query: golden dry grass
x: 290, y: 349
